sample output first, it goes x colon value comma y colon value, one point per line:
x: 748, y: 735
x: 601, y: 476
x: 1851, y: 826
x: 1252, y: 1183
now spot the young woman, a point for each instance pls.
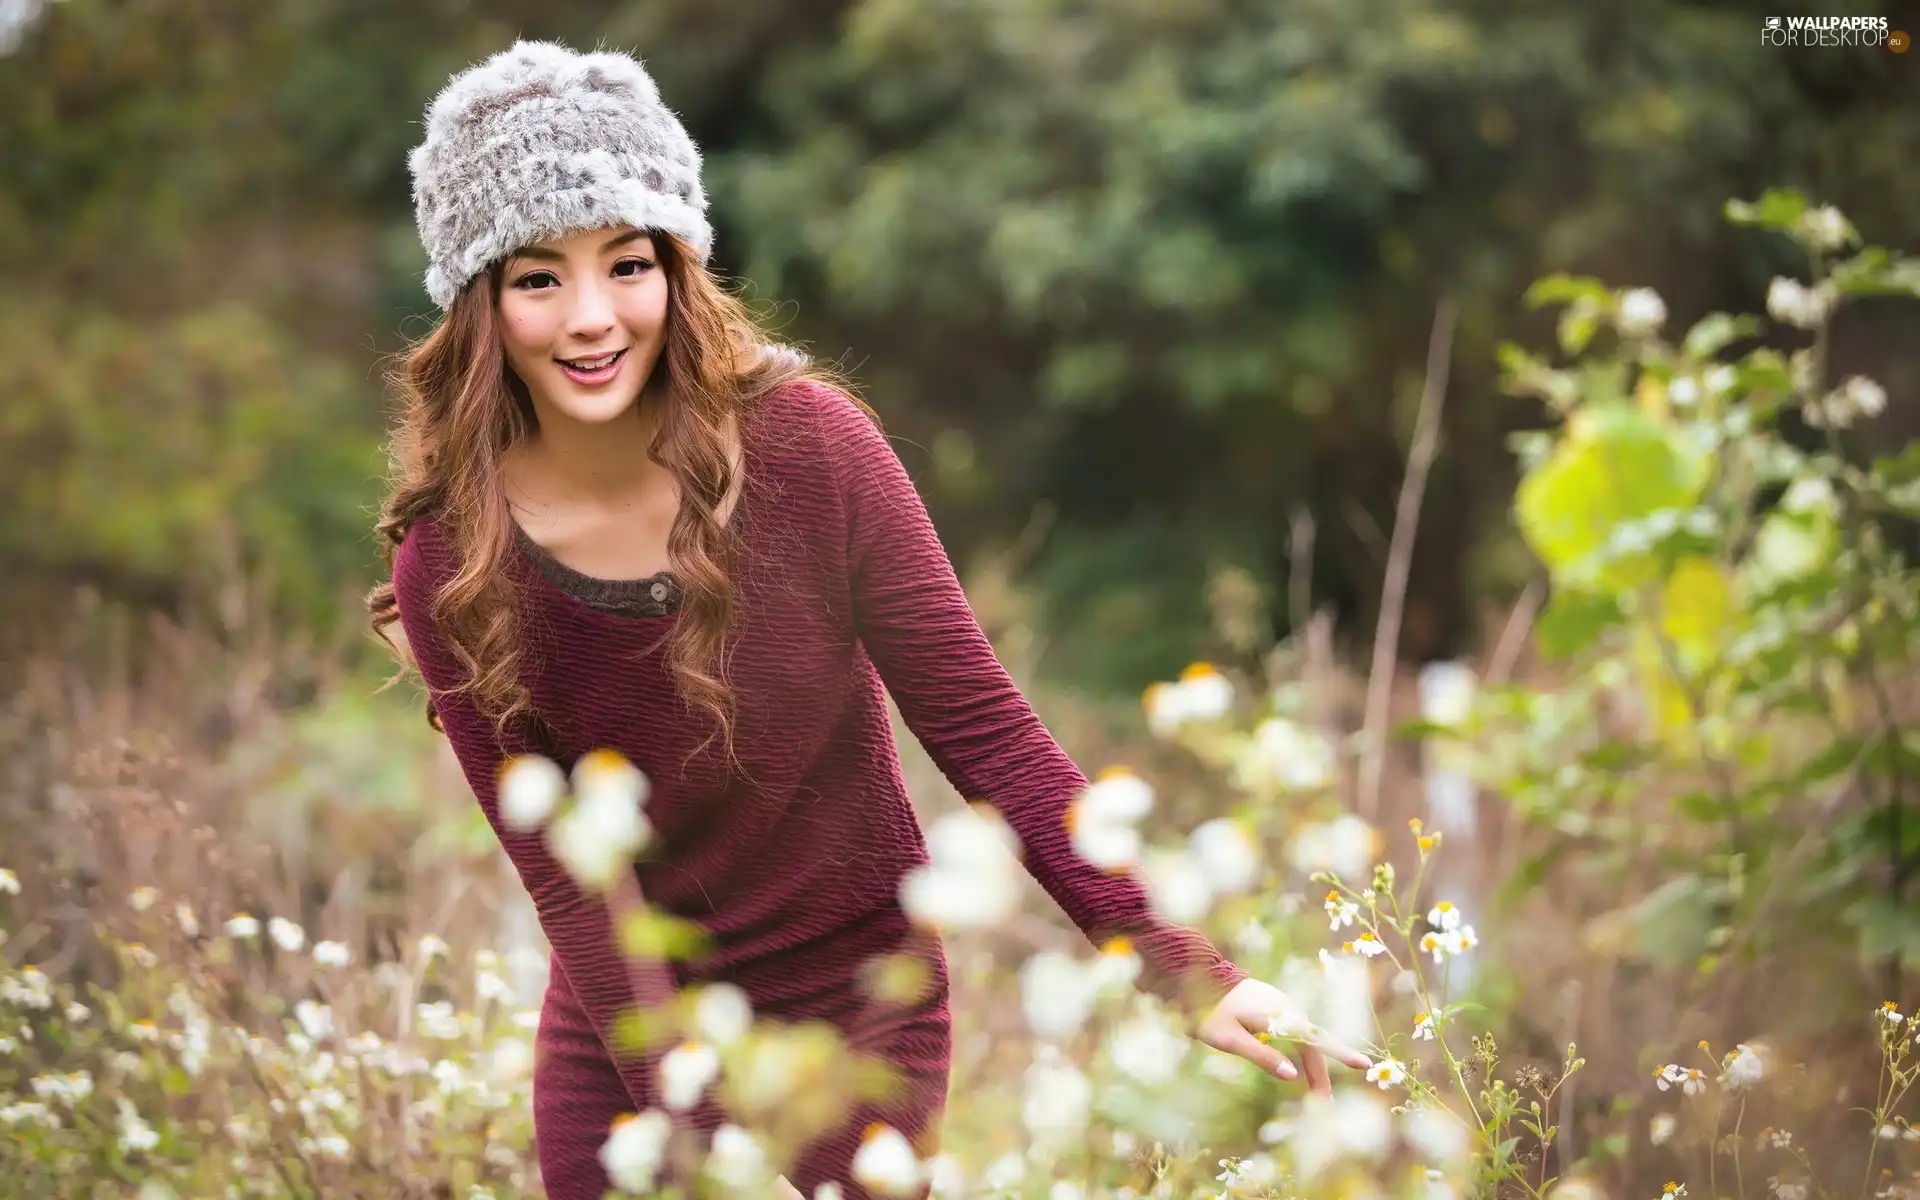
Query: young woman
x: 622, y: 519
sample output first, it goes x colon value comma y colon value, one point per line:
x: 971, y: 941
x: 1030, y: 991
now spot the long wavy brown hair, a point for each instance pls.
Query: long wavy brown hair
x: 461, y: 407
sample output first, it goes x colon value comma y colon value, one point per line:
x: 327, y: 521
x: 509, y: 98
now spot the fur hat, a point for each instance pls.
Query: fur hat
x: 540, y: 141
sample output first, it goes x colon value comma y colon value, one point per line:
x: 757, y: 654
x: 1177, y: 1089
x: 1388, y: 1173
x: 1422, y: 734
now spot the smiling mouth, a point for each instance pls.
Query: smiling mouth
x: 598, y: 363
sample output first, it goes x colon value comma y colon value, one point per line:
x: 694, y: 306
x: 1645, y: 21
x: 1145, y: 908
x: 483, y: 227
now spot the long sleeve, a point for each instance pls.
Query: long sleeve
x: 914, y: 620
x: 578, y: 926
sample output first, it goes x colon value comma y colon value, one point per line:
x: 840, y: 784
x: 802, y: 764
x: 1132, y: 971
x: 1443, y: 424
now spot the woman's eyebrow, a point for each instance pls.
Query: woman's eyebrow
x: 543, y: 254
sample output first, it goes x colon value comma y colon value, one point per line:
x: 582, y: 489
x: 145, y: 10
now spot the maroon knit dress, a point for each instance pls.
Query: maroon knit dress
x: 842, y: 587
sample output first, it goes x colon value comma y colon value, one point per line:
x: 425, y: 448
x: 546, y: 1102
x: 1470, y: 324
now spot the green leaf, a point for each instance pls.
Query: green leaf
x: 1903, y: 467
x: 1777, y: 208
x: 654, y: 934
x: 1716, y: 331
x: 1573, y: 620
x: 1889, y: 929
x: 1701, y: 806
x: 1616, y: 465
x: 1578, y: 323
x: 1562, y: 288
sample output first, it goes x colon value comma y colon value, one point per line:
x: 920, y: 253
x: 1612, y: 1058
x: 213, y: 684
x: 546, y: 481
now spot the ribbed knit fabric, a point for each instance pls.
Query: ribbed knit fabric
x: 844, y: 594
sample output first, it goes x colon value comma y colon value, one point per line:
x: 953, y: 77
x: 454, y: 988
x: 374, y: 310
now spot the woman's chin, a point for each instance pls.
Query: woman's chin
x: 594, y: 410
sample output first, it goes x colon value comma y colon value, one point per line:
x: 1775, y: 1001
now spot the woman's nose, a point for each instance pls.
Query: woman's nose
x: 592, y: 311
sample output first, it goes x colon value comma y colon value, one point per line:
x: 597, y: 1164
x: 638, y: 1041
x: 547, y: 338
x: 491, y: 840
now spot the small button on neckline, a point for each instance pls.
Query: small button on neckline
x: 659, y: 591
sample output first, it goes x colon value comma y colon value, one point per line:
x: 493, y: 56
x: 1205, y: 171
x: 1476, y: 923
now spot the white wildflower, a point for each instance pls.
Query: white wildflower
x: 1792, y: 303
x: 1178, y: 886
x: 1388, y: 1072
x: 449, y: 1075
x: 1007, y: 1171
x: 1810, y: 495
x: 331, y: 954
x: 1444, y: 916
x: 1346, y: 847
x: 438, y: 1020
x: 972, y: 878
x: 31, y: 988
x: 599, y: 836
x: 1341, y: 912
x: 1744, y: 1067
x: 885, y: 1162
x: 1347, y: 1125
x: 1118, y: 795
x: 685, y: 1073
x: 1225, y: 851
x: 1144, y: 1047
x: 635, y: 1148
x: 947, y: 1176
x: 430, y: 947
x: 1057, y: 994
x: 1366, y: 945
x: 135, y: 1133
x: 1101, y: 820
x: 332, y: 1145
x: 1824, y: 229
x: 1691, y: 1080
x: 1661, y: 1128
x: 736, y: 1158
x: 530, y: 789
x: 1058, y: 1098
x: 510, y: 1060
x: 315, y: 1018
x: 77, y: 1012
x: 287, y: 935
x: 1440, y: 1137
x: 1460, y: 940
x: 1423, y: 1027
x: 142, y: 898
x: 491, y: 985
x: 1201, y: 693
x: 722, y: 1013
x: 28, y: 1112
x: 1642, y: 312
x: 1857, y: 397
x: 9, y: 882
x: 1289, y: 755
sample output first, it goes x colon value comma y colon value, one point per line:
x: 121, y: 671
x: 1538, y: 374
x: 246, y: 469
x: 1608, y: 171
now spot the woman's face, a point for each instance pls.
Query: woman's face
x: 574, y: 300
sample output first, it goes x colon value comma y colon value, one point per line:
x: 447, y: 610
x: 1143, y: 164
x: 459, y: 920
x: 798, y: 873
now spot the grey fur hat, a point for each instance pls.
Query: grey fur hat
x: 540, y: 141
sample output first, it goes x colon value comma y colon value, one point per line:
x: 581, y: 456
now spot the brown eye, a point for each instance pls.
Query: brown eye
x: 641, y: 266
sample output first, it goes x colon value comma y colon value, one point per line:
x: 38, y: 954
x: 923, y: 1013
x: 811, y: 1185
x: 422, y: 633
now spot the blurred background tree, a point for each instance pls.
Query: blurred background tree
x: 1162, y: 271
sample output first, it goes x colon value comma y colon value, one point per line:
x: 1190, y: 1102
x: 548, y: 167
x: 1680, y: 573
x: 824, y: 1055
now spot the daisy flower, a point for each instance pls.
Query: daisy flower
x: 1366, y: 946
x: 1340, y: 912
